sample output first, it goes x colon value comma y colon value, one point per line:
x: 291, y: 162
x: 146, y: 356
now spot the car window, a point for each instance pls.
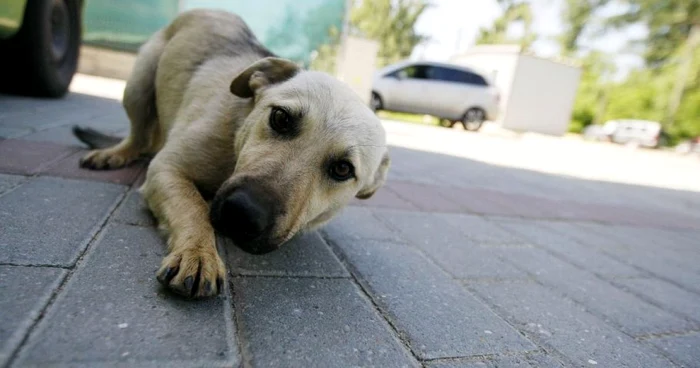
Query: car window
x: 455, y: 75
x: 414, y: 72
x: 473, y: 78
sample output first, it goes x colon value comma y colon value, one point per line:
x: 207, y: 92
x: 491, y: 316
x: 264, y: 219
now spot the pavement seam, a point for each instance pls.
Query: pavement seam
x: 646, y: 272
x: 647, y: 299
x: 365, y: 293
x: 529, y: 218
x: 236, y: 318
x: 25, y: 179
x: 667, y: 334
x: 273, y: 276
x: 232, y: 331
x: 35, y: 265
x: 430, y: 259
x: 96, y: 236
x: 527, y: 355
x: 606, y: 321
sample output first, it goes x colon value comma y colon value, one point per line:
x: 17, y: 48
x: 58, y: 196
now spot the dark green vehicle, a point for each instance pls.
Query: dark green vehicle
x: 39, y: 44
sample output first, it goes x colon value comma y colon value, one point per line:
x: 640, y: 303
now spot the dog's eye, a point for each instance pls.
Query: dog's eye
x: 281, y: 122
x: 341, y: 171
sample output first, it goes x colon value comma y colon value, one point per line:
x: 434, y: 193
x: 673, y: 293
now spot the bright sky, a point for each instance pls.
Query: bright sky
x: 453, y: 25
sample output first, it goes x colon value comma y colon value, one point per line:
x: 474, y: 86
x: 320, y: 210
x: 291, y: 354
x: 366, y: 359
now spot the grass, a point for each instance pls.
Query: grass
x: 409, y: 118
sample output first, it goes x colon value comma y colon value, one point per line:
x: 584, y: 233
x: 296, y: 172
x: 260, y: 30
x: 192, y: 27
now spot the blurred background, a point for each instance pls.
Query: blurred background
x: 619, y: 71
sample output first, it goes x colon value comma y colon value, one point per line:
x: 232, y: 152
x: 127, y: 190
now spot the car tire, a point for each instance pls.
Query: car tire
x: 473, y: 119
x: 47, y: 48
x: 375, y: 102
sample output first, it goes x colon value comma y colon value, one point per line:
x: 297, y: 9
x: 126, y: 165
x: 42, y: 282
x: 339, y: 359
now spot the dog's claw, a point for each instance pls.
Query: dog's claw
x: 207, y: 288
x: 189, y: 282
x: 167, y: 275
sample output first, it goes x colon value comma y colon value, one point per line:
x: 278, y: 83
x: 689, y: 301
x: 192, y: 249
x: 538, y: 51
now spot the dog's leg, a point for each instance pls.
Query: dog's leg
x: 193, y: 267
x: 140, y: 105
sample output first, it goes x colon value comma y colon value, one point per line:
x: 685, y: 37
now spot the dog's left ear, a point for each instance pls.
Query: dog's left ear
x: 262, y: 73
x: 378, y: 181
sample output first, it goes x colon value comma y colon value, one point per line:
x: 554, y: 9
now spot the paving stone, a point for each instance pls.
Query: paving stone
x: 634, y: 315
x: 357, y: 223
x: 304, y: 255
x: 459, y: 255
x: 481, y: 201
x: 533, y: 361
x: 7, y: 133
x: 8, y: 182
x: 27, y: 158
x: 587, y: 257
x: 134, y: 211
x: 483, y: 231
x: 667, y: 295
x: 25, y: 291
x: 113, y: 311
x: 425, y: 197
x: 566, y: 327
x: 652, y: 262
x: 664, y: 245
x: 306, y: 322
x: 49, y: 221
x: 68, y: 167
x: 435, y: 314
x: 685, y: 350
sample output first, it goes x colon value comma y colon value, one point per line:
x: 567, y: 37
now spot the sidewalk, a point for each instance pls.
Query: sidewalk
x: 455, y: 263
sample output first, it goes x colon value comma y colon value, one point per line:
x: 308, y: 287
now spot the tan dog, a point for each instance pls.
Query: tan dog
x: 281, y: 150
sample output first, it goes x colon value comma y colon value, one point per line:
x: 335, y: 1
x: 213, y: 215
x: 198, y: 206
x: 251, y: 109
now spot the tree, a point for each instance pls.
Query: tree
x: 576, y: 15
x: 669, y: 21
x: 513, y: 12
x: 391, y: 23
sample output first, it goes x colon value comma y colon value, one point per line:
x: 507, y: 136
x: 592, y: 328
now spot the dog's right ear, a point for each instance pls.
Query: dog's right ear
x: 262, y: 73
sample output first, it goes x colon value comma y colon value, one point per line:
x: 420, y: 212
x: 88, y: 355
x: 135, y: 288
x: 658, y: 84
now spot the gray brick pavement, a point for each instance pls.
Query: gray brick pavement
x: 112, y: 311
x: 634, y: 315
x: 49, y: 221
x: 292, y: 322
x: 25, y: 292
x: 582, y: 339
x: 432, y: 311
x: 411, y: 279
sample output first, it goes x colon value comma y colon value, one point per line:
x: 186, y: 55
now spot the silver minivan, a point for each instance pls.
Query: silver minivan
x: 450, y: 92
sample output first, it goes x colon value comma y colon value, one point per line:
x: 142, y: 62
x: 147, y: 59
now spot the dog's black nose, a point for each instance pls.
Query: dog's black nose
x: 245, y: 216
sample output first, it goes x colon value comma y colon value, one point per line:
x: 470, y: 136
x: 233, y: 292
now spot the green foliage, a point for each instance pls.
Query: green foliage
x: 389, y: 22
x: 669, y: 23
x: 646, y: 93
x: 513, y: 12
x: 392, y: 24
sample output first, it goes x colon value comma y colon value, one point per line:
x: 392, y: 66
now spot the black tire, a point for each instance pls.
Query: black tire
x: 43, y: 55
x: 473, y: 119
x: 375, y: 102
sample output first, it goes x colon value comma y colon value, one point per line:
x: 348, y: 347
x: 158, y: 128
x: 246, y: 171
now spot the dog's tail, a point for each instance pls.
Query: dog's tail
x: 95, y: 139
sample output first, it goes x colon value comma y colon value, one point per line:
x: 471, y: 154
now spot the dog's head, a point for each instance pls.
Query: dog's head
x: 308, y: 146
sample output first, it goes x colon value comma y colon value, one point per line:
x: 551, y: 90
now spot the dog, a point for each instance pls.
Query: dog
x: 243, y: 143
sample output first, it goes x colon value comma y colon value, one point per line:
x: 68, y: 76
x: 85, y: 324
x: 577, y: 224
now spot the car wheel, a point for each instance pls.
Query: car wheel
x: 50, y: 44
x: 375, y: 102
x: 473, y: 119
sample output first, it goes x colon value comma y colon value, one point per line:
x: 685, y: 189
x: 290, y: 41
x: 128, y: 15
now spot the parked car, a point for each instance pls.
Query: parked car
x: 39, y: 44
x: 689, y: 146
x: 629, y: 132
x: 449, y: 92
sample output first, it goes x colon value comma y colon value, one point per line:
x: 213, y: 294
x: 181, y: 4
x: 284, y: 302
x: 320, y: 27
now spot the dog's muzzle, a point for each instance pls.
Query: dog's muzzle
x: 247, y: 216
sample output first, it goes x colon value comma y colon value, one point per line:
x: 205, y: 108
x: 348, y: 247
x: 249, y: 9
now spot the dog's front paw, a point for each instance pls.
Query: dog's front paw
x: 193, y: 272
x: 105, y: 159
